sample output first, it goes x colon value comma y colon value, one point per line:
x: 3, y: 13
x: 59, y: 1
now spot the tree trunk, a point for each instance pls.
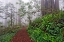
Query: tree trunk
x: 19, y: 21
x: 57, y: 4
x: 42, y: 7
x: 48, y: 6
x: 11, y: 19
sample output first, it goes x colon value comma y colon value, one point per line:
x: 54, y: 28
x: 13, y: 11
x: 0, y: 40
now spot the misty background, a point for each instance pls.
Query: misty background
x: 24, y: 19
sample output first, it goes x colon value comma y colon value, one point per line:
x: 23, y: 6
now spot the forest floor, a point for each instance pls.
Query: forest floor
x: 21, y: 36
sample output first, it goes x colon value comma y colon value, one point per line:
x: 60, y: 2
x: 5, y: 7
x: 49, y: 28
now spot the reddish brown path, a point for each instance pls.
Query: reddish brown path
x: 21, y: 36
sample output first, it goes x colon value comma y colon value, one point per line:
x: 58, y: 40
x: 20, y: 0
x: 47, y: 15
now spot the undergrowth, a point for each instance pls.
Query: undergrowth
x: 48, y: 28
x: 7, y: 34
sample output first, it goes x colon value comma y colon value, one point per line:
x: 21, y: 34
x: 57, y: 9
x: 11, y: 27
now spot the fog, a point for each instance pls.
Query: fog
x: 4, y: 2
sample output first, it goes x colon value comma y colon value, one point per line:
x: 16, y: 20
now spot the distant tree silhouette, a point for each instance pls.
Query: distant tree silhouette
x: 9, y: 12
x: 48, y: 6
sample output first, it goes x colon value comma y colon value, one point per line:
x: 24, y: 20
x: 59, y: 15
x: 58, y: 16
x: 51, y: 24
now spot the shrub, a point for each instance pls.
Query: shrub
x: 49, y: 28
x: 7, y: 37
x: 7, y: 34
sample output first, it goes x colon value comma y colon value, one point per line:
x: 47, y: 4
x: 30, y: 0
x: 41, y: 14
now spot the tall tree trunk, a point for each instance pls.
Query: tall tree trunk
x: 42, y: 7
x: 16, y: 19
x: 6, y: 25
x: 46, y: 4
x: 52, y: 4
x: 56, y: 4
x: 49, y: 5
x: 11, y: 19
x: 19, y: 21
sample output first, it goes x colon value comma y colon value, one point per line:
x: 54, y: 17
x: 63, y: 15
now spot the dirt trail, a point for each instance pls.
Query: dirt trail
x: 21, y: 36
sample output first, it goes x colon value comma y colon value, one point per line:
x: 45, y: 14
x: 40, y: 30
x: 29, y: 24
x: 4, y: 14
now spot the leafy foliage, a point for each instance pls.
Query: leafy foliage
x: 7, y: 34
x: 7, y: 37
x: 49, y: 28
